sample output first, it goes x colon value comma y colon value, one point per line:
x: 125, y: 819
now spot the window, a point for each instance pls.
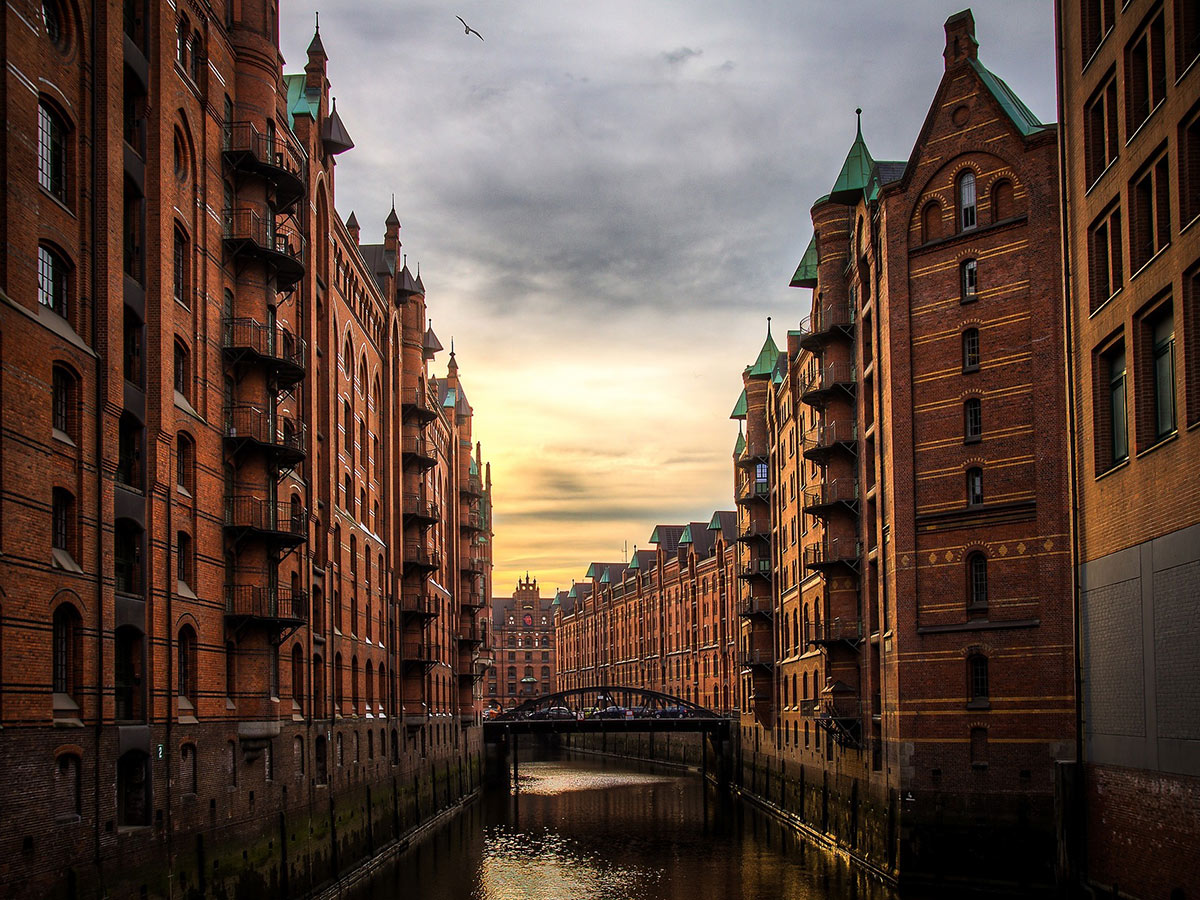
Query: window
x: 1187, y: 36
x: 362, y: 442
x: 966, y: 201
x: 970, y: 350
x: 969, y: 281
x: 1189, y: 170
x: 1100, y: 128
x: 1150, y: 213
x: 974, y: 486
x: 196, y: 56
x: 67, y: 805
x: 979, y: 741
x: 182, y: 34
x: 66, y: 649
x: 63, y: 401
x: 179, y: 268
x: 186, y: 649
x: 183, y: 371
x: 184, y: 558
x: 133, y: 789
x: 1105, y: 271
x: 52, y: 152
x: 129, y: 451
x: 1098, y: 17
x: 52, y: 18
x: 1191, y: 342
x: 977, y: 675
x: 52, y: 280
x: 977, y: 589
x: 132, y: 351
x: 1162, y: 332
x: 127, y: 557
x: 972, y: 420
x: 1145, y: 73
x: 62, y: 515
x: 185, y: 462
x: 1112, y: 424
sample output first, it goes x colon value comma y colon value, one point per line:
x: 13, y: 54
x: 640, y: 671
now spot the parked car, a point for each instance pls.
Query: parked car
x: 640, y: 712
x: 611, y: 712
x: 553, y: 712
x: 674, y: 712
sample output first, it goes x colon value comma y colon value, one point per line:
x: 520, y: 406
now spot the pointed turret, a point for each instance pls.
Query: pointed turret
x: 806, y: 272
x: 352, y: 226
x: 314, y: 69
x: 855, y: 175
x: 334, y: 136
x: 766, y: 356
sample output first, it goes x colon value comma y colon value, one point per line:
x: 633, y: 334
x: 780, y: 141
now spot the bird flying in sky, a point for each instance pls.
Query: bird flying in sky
x: 470, y: 30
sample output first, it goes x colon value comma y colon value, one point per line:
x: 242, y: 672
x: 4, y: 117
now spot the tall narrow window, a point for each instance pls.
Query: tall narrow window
x: 297, y: 677
x: 186, y: 647
x: 970, y: 350
x: 127, y: 557
x: 977, y: 680
x: 129, y: 451
x: 1118, y: 443
x: 63, y: 401
x: 184, y: 558
x: 132, y: 349
x: 53, y: 20
x: 1097, y: 20
x: 182, y: 35
x: 972, y: 420
x: 974, y: 486
x: 969, y: 278
x: 65, y: 649
x: 52, y: 152
x: 1163, y: 331
x: 966, y: 201
x: 52, y: 280
x: 1145, y: 74
x: 931, y: 222
x: 977, y: 585
x: 179, y: 268
x: 979, y: 744
x: 185, y: 462
x: 1150, y: 213
x: 1187, y: 36
x: 1100, y: 128
x: 1105, y: 272
x: 62, y: 515
x: 183, y: 371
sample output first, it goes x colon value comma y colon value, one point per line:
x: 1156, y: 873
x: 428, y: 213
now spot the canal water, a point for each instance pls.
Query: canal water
x: 593, y: 828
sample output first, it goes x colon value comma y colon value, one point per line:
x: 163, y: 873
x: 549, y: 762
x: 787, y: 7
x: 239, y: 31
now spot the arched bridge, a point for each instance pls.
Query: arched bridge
x: 607, y: 708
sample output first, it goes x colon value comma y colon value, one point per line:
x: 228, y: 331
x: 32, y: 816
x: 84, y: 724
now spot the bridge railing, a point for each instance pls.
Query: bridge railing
x: 607, y: 702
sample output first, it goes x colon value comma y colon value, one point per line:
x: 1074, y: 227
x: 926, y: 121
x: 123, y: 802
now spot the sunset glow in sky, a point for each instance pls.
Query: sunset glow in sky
x: 607, y: 200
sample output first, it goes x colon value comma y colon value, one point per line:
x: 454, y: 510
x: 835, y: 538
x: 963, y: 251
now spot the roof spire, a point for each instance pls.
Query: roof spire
x: 768, y: 326
x: 316, y: 49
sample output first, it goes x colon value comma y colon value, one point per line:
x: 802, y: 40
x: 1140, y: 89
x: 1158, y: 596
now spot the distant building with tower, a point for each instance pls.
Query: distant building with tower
x: 523, y: 637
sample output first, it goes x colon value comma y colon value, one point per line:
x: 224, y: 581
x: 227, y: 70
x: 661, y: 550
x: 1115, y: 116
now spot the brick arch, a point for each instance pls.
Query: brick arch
x: 65, y: 595
x: 942, y: 183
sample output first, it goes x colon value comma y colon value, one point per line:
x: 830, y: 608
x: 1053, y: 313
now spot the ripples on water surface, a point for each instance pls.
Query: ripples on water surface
x: 601, y: 830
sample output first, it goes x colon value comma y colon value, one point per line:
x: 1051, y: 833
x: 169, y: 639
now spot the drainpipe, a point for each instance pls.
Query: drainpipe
x: 101, y: 380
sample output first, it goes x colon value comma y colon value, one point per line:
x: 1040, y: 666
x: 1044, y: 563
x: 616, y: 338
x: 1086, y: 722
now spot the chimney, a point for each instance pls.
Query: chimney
x: 960, y: 38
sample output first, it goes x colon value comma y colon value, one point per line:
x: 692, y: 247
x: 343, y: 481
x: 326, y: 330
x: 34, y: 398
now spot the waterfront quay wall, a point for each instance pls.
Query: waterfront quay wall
x: 266, y: 826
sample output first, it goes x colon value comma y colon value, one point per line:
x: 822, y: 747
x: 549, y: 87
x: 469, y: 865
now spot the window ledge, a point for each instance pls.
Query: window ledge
x: 1158, y: 442
x: 181, y: 489
x: 61, y: 559
x: 1142, y: 124
x: 183, y: 590
x: 979, y: 766
x: 1095, y: 312
x: 979, y: 704
x: 1148, y: 263
x: 182, y: 403
x: 1116, y: 467
x: 62, y: 437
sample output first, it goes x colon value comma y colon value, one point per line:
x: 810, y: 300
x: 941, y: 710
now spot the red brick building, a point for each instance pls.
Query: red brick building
x: 1129, y: 90
x: 906, y: 646
x: 245, y: 530
x: 523, y: 647
x: 663, y: 620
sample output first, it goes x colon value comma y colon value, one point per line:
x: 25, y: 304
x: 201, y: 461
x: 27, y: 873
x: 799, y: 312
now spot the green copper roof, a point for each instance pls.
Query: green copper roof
x: 739, y: 445
x: 855, y: 176
x: 739, y: 408
x: 557, y: 601
x: 1027, y: 123
x: 766, y: 356
x: 633, y: 563
x: 686, y: 537
x: 451, y: 399
x: 806, y: 272
x: 473, y: 468
x: 604, y: 579
x: 298, y: 101
x: 714, y: 523
x: 571, y: 593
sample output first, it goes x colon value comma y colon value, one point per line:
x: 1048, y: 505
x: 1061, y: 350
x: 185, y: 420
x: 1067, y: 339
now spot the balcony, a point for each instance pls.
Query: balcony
x: 823, y: 440
x: 418, y: 556
x: 833, y: 320
x: 833, y: 553
x: 826, y: 496
x: 420, y: 510
x: 254, y: 234
x: 282, y: 353
x: 474, y: 563
x: 419, y: 656
x: 752, y: 530
x: 285, y: 438
x: 839, y: 713
x: 754, y: 453
x: 247, y: 149
x: 415, y: 403
x: 836, y: 631
x: 761, y: 659
x: 472, y: 599
x: 472, y: 486
x: 821, y: 382
x: 755, y: 567
x: 748, y: 607
x: 751, y: 490
x: 275, y: 521
x: 417, y: 449
x: 417, y: 606
x: 470, y: 634
x: 473, y: 521
x: 280, y: 606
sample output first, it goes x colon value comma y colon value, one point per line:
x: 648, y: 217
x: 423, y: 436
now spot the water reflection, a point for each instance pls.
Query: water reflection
x: 597, y: 829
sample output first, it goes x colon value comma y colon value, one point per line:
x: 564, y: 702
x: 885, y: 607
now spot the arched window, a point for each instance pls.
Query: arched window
x: 183, y: 371
x: 187, y: 666
x: 184, y: 558
x: 318, y: 686
x: 1003, y: 203
x: 977, y: 585
x: 931, y: 222
x: 52, y: 18
x: 52, y: 280
x: 52, y: 151
x: 348, y: 363
x: 977, y: 680
x: 974, y: 486
x: 62, y: 526
x: 318, y: 611
x: 968, y: 281
x: 298, y: 757
x: 66, y: 649
x: 972, y: 420
x: 185, y: 462
x: 339, y: 695
x: 369, y: 675
x: 362, y: 377
x: 970, y: 350
x: 354, y: 684
x: 64, y: 394
x: 966, y: 201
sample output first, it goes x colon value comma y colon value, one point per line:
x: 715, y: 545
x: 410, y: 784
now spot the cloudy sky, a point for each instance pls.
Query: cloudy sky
x: 607, y: 199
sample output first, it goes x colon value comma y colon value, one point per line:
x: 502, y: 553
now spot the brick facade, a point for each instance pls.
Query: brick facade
x: 245, y: 528
x: 523, y: 647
